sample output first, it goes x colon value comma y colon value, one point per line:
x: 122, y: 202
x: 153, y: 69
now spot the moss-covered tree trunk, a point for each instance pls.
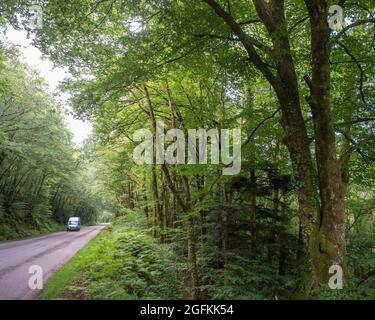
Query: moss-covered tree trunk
x: 330, y: 245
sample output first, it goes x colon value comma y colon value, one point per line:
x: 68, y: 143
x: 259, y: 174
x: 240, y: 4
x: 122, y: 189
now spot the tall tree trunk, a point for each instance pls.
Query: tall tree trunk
x: 253, y: 205
x: 155, y: 195
x: 225, y: 226
x: 192, y: 258
x: 155, y: 191
x: 285, y: 86
x: 203, y: 212
x: 329, y: 245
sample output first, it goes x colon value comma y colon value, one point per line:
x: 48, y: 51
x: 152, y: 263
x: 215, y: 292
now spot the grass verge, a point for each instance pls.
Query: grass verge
x: 57, y: 283
x: 122, y: 262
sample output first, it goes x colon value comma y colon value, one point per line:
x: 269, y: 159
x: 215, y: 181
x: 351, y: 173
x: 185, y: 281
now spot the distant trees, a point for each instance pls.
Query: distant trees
x: 39, y: 169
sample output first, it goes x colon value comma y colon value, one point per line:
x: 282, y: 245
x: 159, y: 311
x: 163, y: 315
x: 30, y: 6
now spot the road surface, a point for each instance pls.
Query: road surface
x: 49, y: 252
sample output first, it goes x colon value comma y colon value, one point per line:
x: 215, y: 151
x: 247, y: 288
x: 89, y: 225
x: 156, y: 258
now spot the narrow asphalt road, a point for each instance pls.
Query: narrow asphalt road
x: 49, y: 252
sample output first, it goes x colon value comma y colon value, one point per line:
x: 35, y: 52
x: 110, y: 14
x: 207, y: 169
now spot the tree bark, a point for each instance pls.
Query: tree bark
x: 330, y: 245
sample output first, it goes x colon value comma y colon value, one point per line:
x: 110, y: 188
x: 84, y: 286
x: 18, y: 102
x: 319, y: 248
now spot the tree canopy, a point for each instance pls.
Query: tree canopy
x: 301, y: 93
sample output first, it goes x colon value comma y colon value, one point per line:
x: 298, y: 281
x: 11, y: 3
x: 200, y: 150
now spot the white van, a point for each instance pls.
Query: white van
x: 74, y: 224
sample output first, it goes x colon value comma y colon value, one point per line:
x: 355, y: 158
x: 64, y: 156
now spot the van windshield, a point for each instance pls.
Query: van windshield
x: 73, y: 222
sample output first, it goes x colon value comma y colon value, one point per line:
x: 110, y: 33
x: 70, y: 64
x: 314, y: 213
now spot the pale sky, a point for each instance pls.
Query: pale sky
x: 33, y: 57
